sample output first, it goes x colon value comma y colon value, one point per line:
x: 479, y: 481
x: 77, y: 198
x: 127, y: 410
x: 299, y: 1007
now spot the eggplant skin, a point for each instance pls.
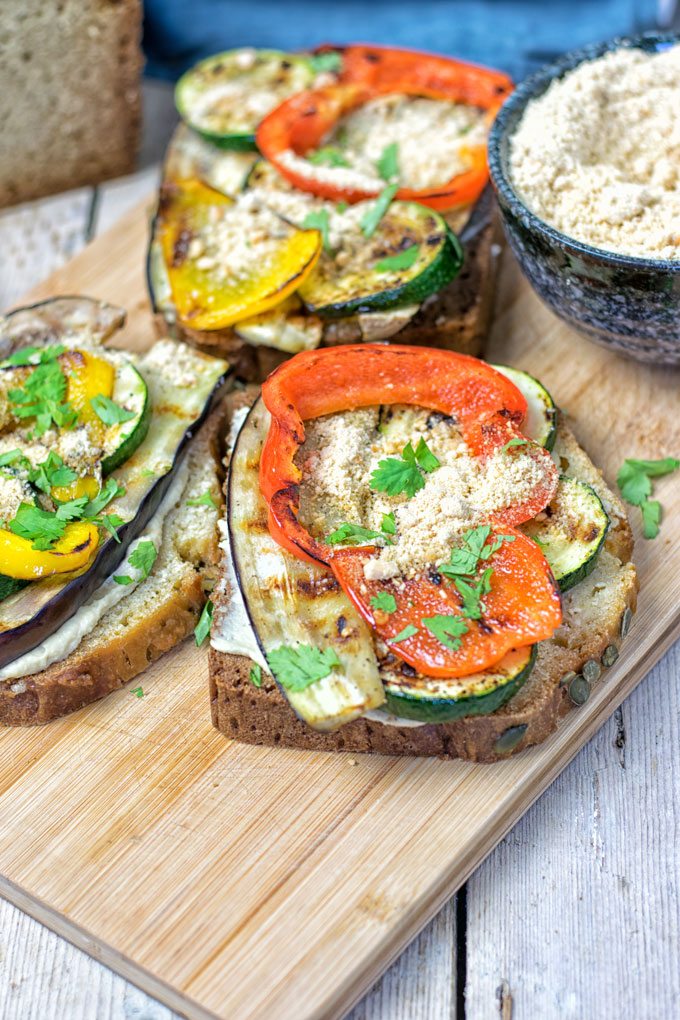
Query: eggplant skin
x: 61, y: 320
x: 49, y: 322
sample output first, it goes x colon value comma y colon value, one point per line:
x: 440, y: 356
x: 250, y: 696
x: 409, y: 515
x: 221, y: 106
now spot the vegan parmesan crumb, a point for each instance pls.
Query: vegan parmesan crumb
x: 598, y: 155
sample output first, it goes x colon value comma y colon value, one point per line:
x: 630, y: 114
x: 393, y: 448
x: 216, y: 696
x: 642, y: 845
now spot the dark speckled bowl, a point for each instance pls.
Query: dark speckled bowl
x: 631, y: 305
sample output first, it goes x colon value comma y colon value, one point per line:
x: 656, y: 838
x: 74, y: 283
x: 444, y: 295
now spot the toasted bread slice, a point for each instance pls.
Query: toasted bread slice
x: 153, y: 618
x: 596, y: 616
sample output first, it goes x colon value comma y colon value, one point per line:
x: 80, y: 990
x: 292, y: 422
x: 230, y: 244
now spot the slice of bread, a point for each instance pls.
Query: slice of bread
x: 596, y: 617
x: 70, y: 81
x: 157, y: 615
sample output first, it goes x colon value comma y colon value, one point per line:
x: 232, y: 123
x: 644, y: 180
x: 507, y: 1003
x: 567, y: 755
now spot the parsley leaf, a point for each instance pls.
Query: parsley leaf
x: 635, y: 483
x: 42, y: 397
x: 342, y: 207
x: 137, y: 691
x: 204, y: 500
x: 111, y: 522
x: 424, y: 456
x: 202, y: 628
x: 109, y: 491
x: 396, y: 476
x: 297, y: 668
x: 326, y: 62
x: 447, y: 629
x: 71, y: 510
x: 373, y: 215
x: 39, y: 526
x: 402, y: 260
x: 354, y: 534
x: 515, y: 441
x: 465, y: 560
x: 27, y: 355
x: 52, y: 473
x: 142, y: 558
x: 14, y: 457
x: 408, y: 631
x: 329, y: 155
x: 384, y: 602
x: 255, y: 675
x: 472, y: 605
x: 388, y: 163
x: 651, y: 517
x: 388, y: 524
x: 317, y: 219
x: 109, y: 412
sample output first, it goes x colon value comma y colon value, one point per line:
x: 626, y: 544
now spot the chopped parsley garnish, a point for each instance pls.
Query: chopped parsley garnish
x: 354, y: 534
x: 202, y: 628
x: 111, y: 523
x: 374, y: 214
x: 328, y: 155
x: 40, y: 527
x: 142, y: 558
x: 395, y: 476
x: 297, y: 668
x: 138, y: 692
x: 72, y: 510
x: 515, y: 441
x: 203, y: 500
x: 447, y: 629
x: 27, y: 355
x: 109, y: 412
x: 342, y: 207
x: 388, y: 163
x: 14, y: 458
x: 472, y: 605
x: 109, y: 491
x: 52, y: 473
x: 388, y: 523
x: 635, y: 483
x: 402, y: 260
x: 408, y: 631
x: 317, y: 219
x: 464, y: 561
x: 255, y: 676
x: 384, y: 602
x: 43, y: 397
x: 326, y: 62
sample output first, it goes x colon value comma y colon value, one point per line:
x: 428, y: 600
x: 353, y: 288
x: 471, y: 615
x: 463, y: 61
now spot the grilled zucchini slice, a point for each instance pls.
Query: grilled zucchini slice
x: 225, y: 97
x: 541, y: 423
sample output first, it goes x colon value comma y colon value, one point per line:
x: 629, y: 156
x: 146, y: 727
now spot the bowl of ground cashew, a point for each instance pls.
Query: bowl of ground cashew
x: 585, y: 160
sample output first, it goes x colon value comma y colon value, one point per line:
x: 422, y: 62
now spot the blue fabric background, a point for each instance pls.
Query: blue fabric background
x: 516, y: 35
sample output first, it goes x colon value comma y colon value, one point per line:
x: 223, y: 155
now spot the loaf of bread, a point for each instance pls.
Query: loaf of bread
x: 70, y: 94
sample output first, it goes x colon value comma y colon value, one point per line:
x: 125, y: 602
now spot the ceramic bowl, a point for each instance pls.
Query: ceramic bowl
x: 630, y: 305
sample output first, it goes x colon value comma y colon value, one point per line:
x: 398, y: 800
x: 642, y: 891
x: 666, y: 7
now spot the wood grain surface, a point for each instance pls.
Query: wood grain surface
x: 114, y: 832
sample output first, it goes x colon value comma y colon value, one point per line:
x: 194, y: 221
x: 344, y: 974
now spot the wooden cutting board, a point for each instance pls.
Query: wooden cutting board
x: 240, y: 882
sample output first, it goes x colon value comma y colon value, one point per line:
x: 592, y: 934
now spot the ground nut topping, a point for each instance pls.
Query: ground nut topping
x: 598, y: 155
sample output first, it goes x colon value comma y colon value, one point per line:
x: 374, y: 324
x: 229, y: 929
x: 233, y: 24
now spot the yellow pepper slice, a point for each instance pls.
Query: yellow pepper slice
x: 88, y: 376
x: 239, y: 271
x: 86, y: 486
x: 20, y: 560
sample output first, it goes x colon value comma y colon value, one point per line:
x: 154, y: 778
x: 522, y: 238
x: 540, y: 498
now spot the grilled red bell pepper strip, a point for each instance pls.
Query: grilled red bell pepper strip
x: 303, y: 121
x: 523, y: 605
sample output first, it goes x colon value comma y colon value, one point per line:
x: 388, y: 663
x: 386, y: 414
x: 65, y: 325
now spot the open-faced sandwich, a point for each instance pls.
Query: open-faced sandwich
x: 110, y: 491
x: 418, y: 558
x: 326, y: 198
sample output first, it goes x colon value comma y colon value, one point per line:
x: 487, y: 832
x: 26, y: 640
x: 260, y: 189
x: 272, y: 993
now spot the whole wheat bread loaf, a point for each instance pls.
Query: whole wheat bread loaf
x: 156, y: 616
x: 70, y: 96
x: 596, y: 617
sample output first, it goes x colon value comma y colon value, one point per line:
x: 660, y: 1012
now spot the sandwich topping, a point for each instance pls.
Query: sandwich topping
x: 450, y: 596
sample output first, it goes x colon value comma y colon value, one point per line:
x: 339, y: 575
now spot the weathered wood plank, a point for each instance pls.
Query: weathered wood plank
x: 578, y: 909
x: 38, y: 237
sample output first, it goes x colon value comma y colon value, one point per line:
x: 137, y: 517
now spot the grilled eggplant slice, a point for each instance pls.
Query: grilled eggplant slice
x: 291, y: 602
x: 183, y: 386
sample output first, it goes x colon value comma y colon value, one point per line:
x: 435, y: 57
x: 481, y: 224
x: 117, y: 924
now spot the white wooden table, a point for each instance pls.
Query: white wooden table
x: 575, y: 916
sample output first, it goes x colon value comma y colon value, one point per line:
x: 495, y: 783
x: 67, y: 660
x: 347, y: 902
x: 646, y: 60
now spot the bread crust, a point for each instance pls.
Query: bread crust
x: 263, y: 716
